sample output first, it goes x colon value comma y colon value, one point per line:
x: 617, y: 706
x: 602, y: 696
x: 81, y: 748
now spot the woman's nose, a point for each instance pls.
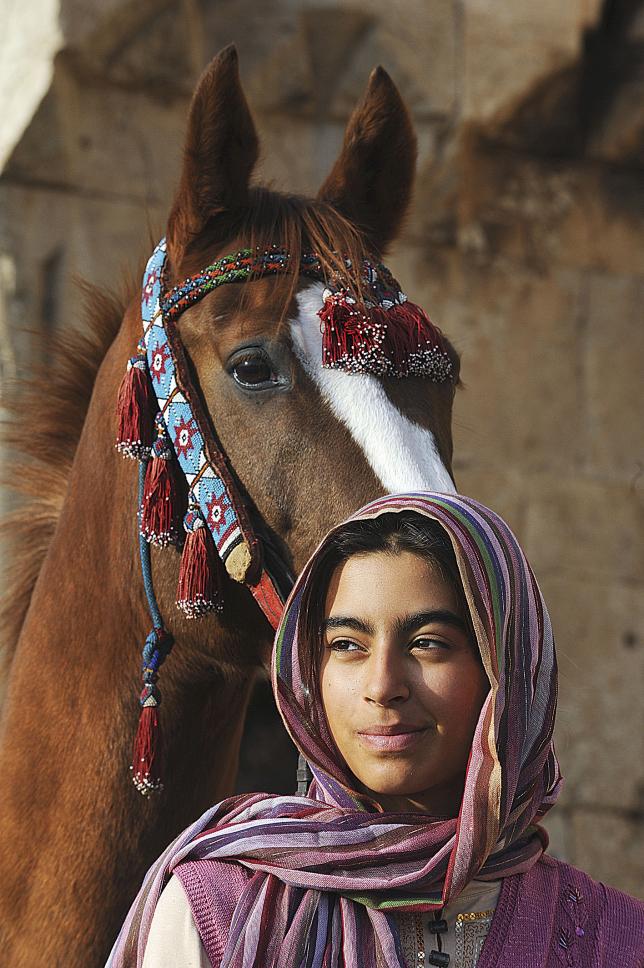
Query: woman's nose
x: 386, y: 679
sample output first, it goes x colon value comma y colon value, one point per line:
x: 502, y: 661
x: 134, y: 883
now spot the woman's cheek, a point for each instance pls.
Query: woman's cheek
x: 340, y: 692
x: 336, y: 690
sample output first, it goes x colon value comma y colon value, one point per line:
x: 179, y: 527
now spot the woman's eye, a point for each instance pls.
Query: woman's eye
x: 253, y: 372
x: 343, y: 645
x: 426, y: 644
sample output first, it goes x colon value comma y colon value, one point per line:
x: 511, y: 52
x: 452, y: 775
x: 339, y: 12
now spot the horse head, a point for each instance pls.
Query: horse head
x: 308, y: 444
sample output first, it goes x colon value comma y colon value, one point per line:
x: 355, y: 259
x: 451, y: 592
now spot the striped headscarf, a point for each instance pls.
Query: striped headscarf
x: 328, y: 871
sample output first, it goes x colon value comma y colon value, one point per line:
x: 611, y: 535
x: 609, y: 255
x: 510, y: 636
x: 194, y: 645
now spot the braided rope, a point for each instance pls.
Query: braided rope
x: 146, y: 557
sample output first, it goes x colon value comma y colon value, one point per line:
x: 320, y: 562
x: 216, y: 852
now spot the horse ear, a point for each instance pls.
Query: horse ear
x: 372, y: 179
x: 220, y: 152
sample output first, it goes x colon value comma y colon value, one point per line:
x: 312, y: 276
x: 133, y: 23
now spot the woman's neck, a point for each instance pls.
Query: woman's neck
x: 440, y: 803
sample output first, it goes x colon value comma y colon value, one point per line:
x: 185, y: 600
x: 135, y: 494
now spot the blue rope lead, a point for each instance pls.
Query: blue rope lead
x: 146, y: 772
x: 144, y: 553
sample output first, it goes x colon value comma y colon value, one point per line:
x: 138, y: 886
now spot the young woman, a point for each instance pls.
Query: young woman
x: 415, y: 670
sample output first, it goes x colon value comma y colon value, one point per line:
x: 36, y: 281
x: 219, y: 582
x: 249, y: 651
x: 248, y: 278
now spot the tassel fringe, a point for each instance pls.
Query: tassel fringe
x: 135, y: 409
x: 351, y: 341
x: 414, y: 344
x: 147, y: 751
x: 201, y: 575
x: 164, y: 494
x: 399, y: 340
x: 147, y: 748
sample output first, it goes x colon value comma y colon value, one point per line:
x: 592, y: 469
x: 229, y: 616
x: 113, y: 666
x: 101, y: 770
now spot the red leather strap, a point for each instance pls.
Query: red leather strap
x: 268, y: 598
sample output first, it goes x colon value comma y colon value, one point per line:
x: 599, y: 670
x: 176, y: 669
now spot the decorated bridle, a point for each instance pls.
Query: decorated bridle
x: 184, y: 473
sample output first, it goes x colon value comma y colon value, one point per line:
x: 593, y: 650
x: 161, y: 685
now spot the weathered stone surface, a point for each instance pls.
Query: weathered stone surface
x: 103, y: 142
x: 599, y: 630
x: 508, y: 47
x: 585, y: 529
x: 517, y: 332
x: 557, y: 823
x: 636, y: 26
x: 497, y: 486
x: 91, y: 238
x: 612, y: 355
x: 500, y: 206
x: 620, y: 135
x: 297, y: 155
x: 29, y: 45
x: 8, y: 362
x: 82, y: 22
x: 326, y: 79
x: 603, y: 228
x: 418, y: 47
x: 610, y: 847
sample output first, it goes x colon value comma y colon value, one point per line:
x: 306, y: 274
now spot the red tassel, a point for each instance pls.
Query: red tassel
x: 397, y: 341
x: 164, y: 494
x: 146, y: 752
x: 414, y: 344
x: 135, y: 410
x: 351, y: 340
x: 201, y: 573
x: 160, y: 510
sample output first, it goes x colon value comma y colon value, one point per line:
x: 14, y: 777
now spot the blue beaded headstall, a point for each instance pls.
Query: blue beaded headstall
x: 184, y: 474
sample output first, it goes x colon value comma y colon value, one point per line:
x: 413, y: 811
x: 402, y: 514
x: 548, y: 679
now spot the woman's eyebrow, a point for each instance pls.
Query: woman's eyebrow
x: 443, y: 616
x: 346, y: 622
x: 402, y: 625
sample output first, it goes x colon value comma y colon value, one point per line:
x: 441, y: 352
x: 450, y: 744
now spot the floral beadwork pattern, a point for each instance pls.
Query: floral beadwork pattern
x: 207, y: 488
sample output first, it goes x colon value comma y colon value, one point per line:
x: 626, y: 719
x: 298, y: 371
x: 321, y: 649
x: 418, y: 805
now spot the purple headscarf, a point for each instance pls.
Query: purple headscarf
x: 328, y: 872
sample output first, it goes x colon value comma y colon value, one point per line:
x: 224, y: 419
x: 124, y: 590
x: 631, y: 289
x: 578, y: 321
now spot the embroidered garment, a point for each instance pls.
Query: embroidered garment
x: 330, y: 873
x: 468, y: 920
x: 553, y: 916
x: 175, y: 941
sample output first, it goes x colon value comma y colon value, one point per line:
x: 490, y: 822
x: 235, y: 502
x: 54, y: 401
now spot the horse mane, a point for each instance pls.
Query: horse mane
x: 43, y: 426
x: 44, y: 416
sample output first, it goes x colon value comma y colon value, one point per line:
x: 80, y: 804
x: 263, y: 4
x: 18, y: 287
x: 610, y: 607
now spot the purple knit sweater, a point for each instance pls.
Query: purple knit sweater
x: 552, y: 916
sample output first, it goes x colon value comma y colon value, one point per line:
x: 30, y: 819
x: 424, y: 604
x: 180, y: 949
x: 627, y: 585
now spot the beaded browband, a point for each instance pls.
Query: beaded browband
x: 383, y: 334
x: 184, y: 473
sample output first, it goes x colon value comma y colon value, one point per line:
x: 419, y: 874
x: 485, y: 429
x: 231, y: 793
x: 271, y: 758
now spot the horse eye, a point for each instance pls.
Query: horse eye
x: 254, y: 372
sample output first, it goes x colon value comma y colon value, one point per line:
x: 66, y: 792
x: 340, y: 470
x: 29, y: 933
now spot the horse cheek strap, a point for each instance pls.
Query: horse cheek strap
x: 183, y: 471
x: 183, y: 477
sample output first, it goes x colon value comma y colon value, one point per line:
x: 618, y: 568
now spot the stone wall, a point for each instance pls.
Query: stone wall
x: 525, y: 243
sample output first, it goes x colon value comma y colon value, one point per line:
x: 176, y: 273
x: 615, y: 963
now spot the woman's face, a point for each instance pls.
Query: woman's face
x: 402, y: 683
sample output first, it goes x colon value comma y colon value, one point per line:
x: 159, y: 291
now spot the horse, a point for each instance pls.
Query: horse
x: 306, y: 446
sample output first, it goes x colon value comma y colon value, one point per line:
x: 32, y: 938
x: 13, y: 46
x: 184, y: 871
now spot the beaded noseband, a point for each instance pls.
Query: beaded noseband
x: 184, y: 473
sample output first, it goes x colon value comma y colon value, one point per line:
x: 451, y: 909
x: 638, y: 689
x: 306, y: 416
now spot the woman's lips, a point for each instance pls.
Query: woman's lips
x: 391, y: 739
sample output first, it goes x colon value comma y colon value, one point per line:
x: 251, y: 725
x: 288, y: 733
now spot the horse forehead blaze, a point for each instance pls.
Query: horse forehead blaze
x: 401, y: 427
x: 402, y: 452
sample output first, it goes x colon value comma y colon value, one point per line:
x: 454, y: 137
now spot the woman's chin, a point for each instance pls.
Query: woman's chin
x: 402, y: 791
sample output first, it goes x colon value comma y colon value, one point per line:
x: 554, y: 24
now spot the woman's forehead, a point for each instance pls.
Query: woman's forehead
x: 387, y: 585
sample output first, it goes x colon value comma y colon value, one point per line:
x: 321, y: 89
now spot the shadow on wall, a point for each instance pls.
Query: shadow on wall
x: 595, y: 106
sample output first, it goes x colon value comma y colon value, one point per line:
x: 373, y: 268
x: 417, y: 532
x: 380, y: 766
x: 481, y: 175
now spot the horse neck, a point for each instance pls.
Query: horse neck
x: 75, y: 836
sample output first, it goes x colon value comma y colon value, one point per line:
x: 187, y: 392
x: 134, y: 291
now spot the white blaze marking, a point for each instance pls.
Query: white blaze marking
x: 402, y: 454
